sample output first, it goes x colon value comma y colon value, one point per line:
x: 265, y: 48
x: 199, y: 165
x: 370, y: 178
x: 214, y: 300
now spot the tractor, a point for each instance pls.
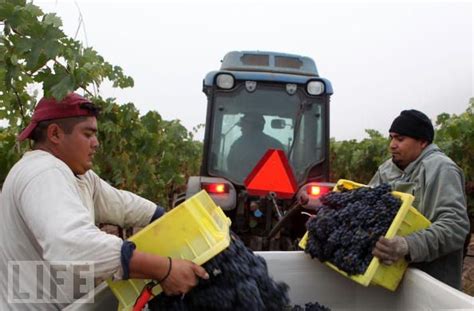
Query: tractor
x: 270, y: 183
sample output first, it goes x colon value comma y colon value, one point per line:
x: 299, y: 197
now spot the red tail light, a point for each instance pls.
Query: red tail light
x: 316, y: 191
x: 215, y: 188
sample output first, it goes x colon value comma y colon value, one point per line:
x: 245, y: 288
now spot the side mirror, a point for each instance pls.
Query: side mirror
x: 278, y: 124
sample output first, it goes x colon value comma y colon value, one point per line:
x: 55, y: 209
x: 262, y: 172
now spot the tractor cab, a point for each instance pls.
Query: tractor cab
x: 261, y: 101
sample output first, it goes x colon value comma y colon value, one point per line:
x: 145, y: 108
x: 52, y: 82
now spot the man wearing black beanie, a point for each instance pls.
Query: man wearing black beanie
x: 420, y: 168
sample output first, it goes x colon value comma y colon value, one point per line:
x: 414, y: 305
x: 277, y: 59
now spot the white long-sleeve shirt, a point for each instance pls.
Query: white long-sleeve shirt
x: 48, y: 214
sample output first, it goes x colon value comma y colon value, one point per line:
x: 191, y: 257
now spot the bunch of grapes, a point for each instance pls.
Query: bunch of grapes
x: 348, y: 224
x: 239, y: 280
x: 310, y: 306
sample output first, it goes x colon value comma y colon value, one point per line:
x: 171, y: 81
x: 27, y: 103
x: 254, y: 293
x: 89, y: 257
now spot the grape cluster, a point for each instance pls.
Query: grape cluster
x: 348, y: 224
x: 239, y: 280
x: 310, y: 306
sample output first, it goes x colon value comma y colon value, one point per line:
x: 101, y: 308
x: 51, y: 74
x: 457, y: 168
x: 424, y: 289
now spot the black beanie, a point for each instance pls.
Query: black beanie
x: 413, y: 123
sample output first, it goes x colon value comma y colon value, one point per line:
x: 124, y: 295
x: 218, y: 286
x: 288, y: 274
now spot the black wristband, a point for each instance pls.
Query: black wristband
x: 126, y: 253
x: 169, y: 271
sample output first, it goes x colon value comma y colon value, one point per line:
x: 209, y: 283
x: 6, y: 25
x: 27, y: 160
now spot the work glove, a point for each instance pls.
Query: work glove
x: 390, y: 250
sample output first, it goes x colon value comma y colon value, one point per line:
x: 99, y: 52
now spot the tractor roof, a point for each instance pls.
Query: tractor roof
x: 269, y: 62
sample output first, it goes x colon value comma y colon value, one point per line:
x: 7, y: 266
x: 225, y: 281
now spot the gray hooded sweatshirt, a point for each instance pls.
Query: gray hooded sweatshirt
x: 438, y: 186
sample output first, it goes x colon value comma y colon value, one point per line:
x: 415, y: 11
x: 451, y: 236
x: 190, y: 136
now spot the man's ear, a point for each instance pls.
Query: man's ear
x: 54, y: 133
x: 424, y: 144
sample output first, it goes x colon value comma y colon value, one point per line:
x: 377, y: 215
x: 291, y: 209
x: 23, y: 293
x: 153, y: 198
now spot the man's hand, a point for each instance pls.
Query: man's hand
x: 183, y: 276
x: 390, y: 250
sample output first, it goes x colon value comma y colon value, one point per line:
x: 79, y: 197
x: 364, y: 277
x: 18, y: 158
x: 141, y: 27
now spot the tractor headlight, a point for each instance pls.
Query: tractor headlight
x: 315, y: 87
x: 225, y: 81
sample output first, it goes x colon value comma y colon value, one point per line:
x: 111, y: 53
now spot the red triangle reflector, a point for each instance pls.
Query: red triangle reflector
x: 272, y: 174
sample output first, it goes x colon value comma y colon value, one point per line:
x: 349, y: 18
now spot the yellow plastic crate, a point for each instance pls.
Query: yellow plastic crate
x: 196, y: 230
x: 406, y: 221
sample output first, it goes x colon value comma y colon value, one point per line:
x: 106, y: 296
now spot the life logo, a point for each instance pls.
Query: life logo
x: 61, y: 282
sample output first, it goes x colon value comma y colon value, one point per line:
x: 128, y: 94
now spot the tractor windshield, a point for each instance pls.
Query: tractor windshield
x: 246, y: 123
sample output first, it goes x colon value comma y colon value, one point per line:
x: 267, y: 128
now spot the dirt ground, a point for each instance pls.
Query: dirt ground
x: 468, y: 271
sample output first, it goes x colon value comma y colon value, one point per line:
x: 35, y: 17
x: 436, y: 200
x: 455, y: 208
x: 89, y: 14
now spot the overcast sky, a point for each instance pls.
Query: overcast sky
x: 380, y: 57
